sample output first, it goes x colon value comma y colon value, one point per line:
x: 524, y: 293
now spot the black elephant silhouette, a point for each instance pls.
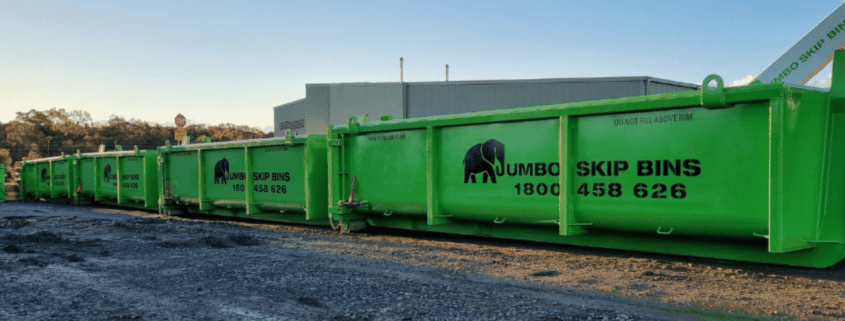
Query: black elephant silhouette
x: 107, y: 172
x: 221, y: 170
x: 43, y: 174
x: 480, y: 159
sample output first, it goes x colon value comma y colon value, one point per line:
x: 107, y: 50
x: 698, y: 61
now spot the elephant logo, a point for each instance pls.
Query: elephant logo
x: 43, y: 174
x: 107, y: 173
x: 221, y: 171
x: 480, y: 158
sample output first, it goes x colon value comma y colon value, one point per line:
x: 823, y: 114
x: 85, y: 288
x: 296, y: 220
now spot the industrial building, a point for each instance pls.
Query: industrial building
x: 326, y: 104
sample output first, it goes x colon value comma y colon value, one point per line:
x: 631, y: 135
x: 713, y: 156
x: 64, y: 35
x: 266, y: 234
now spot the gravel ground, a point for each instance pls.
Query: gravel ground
x: 71, y: 263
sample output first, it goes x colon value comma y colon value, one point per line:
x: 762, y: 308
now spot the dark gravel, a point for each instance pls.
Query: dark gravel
x: 69, y: 263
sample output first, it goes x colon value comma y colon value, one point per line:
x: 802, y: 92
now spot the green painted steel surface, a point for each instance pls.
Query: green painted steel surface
x: 123, y: 178
x: 281, y: 179
x: 48, y: 178
x: 750, y: 173
x: 3, y: 195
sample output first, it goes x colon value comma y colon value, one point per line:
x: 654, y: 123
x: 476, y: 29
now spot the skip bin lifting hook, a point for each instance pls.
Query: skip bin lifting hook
x: 351, y: 202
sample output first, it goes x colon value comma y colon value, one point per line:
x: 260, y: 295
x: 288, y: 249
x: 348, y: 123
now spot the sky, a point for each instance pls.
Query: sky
x: 233, y: 61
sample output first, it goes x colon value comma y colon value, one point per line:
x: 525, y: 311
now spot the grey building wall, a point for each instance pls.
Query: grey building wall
x: 662, y: 86
x: 441, y: 98
x: 372, y: 99
x: 326, y: 104
x: 289, y: 116
x: 317, y: 103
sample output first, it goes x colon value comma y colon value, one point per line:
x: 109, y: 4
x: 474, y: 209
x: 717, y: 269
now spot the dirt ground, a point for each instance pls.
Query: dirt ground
x: 111, y: 253
x: 754, y: 289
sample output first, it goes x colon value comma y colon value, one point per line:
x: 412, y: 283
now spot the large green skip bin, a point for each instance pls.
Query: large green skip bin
x: 279, y: 179
x: 122, y: 178
x: 48, y: 178
x: 754, y: 173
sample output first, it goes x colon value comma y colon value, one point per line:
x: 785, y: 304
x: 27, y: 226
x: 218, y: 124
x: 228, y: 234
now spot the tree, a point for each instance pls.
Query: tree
x: 30, y: 134
x: 6, y: 158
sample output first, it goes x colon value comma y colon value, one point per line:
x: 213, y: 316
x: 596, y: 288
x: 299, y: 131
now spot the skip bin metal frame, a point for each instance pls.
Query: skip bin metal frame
x: 798, y: 215
x: 3, y: 195
x: 193, y: 194
x: 48, y: 178
x: 134, y: 185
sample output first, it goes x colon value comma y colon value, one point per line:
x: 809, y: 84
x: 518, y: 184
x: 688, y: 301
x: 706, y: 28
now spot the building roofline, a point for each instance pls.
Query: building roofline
x: 290, y: 103
x: 517, y: 81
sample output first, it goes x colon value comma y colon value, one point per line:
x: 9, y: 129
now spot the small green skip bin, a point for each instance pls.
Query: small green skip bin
x: 50, y: 179
x: 753, y: 173
x: 279, y: 179
x: 122, y: 178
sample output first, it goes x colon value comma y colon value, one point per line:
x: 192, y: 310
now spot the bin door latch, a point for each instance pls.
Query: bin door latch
x: 168, y: 196
x: 351, y: 202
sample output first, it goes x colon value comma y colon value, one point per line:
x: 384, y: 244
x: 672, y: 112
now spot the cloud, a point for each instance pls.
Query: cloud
x: 823, y: 83
x: 742, y: 82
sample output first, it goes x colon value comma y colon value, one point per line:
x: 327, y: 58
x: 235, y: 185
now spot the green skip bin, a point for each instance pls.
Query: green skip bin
x: 121, y: 178
x: 753, y: 173
x: 50, y: 179
x: 279, y: 179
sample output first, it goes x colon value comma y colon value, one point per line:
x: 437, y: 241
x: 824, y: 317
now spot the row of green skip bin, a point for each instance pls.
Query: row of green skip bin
x: 261, y: 178
x: 753, y: 173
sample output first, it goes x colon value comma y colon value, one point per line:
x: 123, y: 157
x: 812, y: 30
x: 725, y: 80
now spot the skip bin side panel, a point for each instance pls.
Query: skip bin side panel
x: 131, y: 175
x: 390, y: 171
x: 87, y: 169
x: 685, y: 171
x: 279, y: 178
x: 42, y: 174
x: 107, y: 177
x: 182, y: 171
x: 61, y: 177
x: 503, y: 172
x: 29, y: 181
x: 225, y: 177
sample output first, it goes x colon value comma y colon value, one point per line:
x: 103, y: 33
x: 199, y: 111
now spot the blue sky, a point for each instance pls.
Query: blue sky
x: 232, y: 61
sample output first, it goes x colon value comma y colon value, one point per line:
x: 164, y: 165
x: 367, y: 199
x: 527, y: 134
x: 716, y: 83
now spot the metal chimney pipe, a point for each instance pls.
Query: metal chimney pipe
x: 447, y: 72
x: 401, y: 70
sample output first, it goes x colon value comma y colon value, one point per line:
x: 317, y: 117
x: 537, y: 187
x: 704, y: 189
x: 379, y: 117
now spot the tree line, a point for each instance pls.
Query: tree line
x: 38, y: 134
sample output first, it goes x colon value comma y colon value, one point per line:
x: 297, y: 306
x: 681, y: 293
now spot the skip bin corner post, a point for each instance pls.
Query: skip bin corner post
x: 76, y: 185
x: 336, y: 175
x: 51, y: 181
x: 434, y: 216
x: 120, y: 198
x: 201, y: 188
x: 788, y: 226
x: 150, y: 178
x: 249, y: 193
x: 316, y: 171
x: 3, y: 195
x: 70, y: 187
x: 97, y: 178
x: 166, y: 199
x: 162, y: 184
x: 566, y: 142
